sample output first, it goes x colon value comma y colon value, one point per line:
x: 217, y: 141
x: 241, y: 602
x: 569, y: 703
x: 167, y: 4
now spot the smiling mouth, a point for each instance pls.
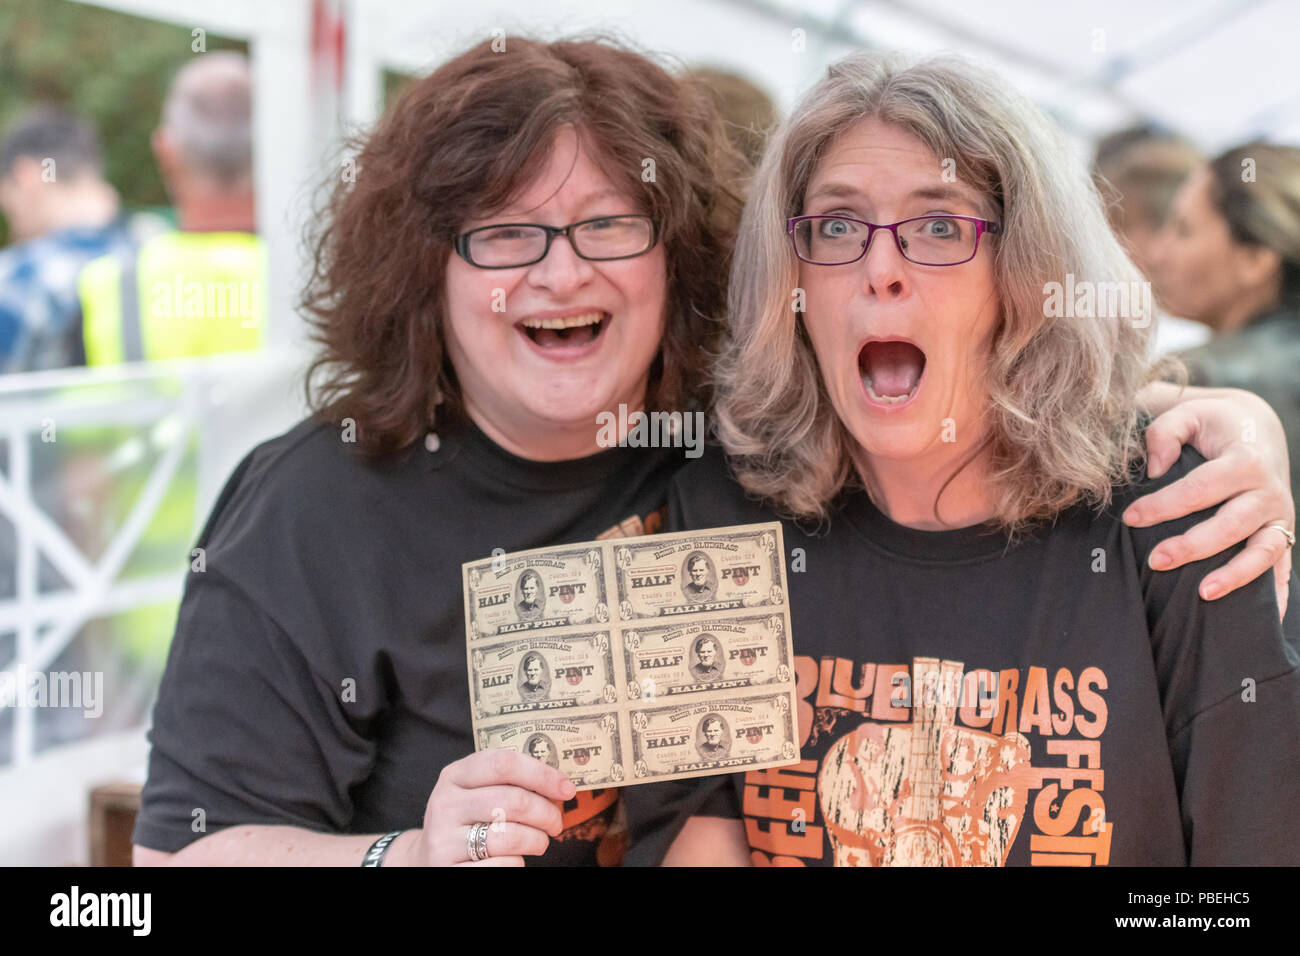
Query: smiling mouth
x: 891, y: 371
x: 569, y: 330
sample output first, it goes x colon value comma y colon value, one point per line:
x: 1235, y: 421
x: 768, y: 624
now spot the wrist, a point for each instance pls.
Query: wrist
x: 400, y: 852
x: 383, y: 851
x: 1156, y: 398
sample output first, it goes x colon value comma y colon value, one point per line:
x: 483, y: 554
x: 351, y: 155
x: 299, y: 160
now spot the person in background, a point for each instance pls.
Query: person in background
x: 199, y: 290
x: 61, y: 215
x: 746, y: 109
x: 1230, y: 257
x: 194, y: 291
x: 1137, y: 171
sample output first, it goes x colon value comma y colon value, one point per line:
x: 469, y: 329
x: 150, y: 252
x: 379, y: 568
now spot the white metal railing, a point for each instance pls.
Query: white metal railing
x: 198, y: 417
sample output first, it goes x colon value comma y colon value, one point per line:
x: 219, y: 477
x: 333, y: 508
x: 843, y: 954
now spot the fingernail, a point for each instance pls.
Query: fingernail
x: 568, y: 789
x: 1133, y: 516
x: 1160, y: 560
x: 1210, y: 591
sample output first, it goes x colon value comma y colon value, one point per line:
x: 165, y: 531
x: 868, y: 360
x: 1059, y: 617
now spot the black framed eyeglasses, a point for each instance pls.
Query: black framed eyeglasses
x: 509, y: 245
x: 925, y: 240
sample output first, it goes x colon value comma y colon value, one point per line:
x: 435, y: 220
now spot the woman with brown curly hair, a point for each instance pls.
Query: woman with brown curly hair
x: 533, y: 238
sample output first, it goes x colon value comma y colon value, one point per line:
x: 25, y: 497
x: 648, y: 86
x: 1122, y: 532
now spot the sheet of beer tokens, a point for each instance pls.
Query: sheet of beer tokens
x: 636, y: 660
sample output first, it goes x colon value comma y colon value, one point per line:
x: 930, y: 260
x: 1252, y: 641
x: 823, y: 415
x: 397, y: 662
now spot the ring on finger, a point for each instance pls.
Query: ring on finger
x: 1279, y: 526
x: 476, y: 842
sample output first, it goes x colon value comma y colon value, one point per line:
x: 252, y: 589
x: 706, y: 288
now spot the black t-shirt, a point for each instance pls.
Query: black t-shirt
x: 1050, y: 702
x: 317, y: 675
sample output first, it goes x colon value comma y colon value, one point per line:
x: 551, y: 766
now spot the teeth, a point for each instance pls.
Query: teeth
x: 888, y: 399
x: 566, y: 322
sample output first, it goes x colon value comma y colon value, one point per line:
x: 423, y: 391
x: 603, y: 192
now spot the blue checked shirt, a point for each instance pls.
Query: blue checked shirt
x: 40, y: 314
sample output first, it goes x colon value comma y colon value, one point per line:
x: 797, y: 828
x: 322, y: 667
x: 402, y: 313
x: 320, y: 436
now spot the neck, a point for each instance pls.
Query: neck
x: 81, y: 205
x: 906, y: 491
x: 544, y: 440
x: 1245, y: 307
x: 217, y: 212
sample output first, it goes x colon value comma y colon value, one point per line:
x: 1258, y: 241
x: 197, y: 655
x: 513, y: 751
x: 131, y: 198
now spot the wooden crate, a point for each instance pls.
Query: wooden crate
x: 113, y: 807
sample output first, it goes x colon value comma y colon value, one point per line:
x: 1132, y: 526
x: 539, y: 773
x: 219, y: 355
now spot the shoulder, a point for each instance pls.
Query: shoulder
x: 1202, y: 649
x: 1092, y: 526
x: 1246, y: 619
x: 21, y: 263
x: 1263, y: 352
x: 12, y: 260
x: 710, y: 470
x: 1124, y: 494
x: 705, y: 493
x: 16, y: 276
x: 308, y: 479
x: 1141, y: 483
x: 31, y: 275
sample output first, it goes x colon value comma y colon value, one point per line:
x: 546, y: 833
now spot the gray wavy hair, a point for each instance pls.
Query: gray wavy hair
x: 1062, y: 391
x: 209, y: 112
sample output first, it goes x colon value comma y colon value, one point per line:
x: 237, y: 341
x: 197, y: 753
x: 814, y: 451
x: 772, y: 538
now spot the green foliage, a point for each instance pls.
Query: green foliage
x: 395, y: 83
x: 108, y: 68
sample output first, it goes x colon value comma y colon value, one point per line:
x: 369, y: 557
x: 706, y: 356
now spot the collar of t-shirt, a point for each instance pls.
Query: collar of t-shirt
x: 464, y: 442
x: 899, y: 541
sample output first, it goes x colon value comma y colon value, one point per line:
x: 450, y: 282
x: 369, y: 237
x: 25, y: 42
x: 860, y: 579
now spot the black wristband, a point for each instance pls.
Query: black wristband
x: 375, y: 855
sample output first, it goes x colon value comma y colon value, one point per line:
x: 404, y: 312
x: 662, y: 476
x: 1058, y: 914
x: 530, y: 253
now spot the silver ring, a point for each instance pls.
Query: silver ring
x: 476, y: 841
x: 1279, y: 526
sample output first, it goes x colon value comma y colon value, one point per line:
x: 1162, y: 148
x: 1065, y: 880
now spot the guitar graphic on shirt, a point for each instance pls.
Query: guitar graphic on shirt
x: 927, y: 793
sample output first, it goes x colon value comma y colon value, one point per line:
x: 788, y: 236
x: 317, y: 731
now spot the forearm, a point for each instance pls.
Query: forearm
x: 1158, y: 397
x: 285, y: 846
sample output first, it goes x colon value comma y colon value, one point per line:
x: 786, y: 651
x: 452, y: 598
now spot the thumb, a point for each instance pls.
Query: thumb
x: 1166, y: 436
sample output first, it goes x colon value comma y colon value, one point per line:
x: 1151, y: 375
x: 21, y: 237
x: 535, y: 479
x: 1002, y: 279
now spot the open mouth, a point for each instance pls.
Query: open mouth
x: 569, y: 330
x: 891, y: 371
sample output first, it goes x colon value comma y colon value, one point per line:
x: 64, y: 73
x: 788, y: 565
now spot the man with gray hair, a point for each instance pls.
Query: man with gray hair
x: 204, y: 145
x: 198, y: 290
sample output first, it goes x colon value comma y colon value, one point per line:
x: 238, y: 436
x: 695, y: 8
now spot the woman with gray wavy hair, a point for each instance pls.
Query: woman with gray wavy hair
x: 932, y: 379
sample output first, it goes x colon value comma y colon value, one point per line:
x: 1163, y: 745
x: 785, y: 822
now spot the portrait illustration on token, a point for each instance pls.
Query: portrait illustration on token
x: 541, y: 747
x: 699, y: 580
x: 711, y: 740
x: 533, y: 681
x: 706, y: 658
x: 529, y: 598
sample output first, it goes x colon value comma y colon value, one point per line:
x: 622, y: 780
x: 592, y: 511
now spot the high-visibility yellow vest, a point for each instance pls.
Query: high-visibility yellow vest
x: 182, y: 294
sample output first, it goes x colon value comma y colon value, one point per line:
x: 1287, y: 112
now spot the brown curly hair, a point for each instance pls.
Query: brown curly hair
x: 459, y: 144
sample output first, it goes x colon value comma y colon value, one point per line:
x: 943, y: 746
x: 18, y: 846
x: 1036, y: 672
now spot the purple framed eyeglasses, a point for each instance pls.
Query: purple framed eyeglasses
x: 925, y: 240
